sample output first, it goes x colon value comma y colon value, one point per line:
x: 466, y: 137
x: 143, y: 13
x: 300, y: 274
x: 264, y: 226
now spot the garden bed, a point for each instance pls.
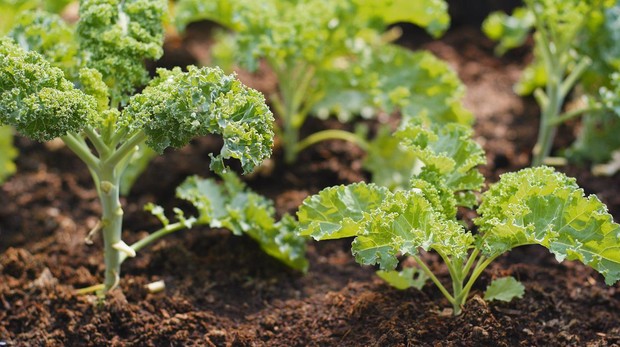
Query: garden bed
x: 223, y: 290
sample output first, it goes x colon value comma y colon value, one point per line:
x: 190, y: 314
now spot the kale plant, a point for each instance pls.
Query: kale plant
x: 80, y: 90
x: 533, y: 206
x: 575, y: 43
x: 336, y: 59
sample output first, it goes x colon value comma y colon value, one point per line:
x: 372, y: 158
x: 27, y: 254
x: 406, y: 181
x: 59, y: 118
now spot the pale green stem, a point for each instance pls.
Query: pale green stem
x: 572, y: 114
x: 557, y: 87
x: 482, y: 264
x: 96, y: 140
x: 433, y: 278
x: 168, y: 229
x: 117, y: 137
x: 126, y: 148
x: 331, y: 134
x: 470, y: 261
x: 570, y: 81
x: 455, y: 274
x: 112, y: 221
x: 79, y: 147
x: 551, y: 108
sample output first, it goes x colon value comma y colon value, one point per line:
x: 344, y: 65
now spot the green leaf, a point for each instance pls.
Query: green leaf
x: 177, y: 106
x: 91, y: 82
x: 504, y: 289
x: 407, y: 278
x: 429, y: 14
x: 389, y: 78
x: 544, y: 207
x: 402, y: 223
x: 50, y: 36
x: 391, y: 164
x: 7, y: 153
x: 190, y: 11
x: 10, y: 11
x: 450, y: 156
x: 115, y: 38
x: 510, y: 31
x: 385, y: 224
x: 337, y: 212
x: 233, y: 206
x: 36, y: 98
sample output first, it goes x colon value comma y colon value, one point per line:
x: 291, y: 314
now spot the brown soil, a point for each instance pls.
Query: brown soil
x: 222, y: 290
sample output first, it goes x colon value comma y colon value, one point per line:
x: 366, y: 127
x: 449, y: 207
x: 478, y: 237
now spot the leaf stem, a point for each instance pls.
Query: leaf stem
x: 168, y: 229
x: 434, y: 278
x: 572, y: 114
x: 331, y: 134
x: 96, y: 140
x: 79, y: 147
x: 126, y: 148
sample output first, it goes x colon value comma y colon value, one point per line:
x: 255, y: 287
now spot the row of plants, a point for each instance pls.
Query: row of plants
x: 79, y: 82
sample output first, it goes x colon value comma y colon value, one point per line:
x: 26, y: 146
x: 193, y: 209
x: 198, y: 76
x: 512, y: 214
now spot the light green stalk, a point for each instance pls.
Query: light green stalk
x: 559, y: 83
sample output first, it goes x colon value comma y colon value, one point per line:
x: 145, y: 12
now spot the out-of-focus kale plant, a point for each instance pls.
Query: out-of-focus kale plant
x: 576, y: 53
x: 335, y: 58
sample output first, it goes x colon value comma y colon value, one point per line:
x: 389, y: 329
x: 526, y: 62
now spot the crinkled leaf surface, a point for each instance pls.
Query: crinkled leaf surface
x: 116, y: 36
x: 544, y: 207
x: 504, y: 289
x: 402, y: 223
x: 429, y: 14
x: 233, y: 206
x: 338, y: 212
x: 390, y: 77
x: 177, y: 106
x: 385, y: 224
x: 50, y: 36
x: 7, y: 153
x: 450, y: 155
x: 36, y: 98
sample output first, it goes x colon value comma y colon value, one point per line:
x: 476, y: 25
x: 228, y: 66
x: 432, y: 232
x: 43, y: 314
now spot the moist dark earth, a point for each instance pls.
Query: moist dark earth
x: 222, y: 290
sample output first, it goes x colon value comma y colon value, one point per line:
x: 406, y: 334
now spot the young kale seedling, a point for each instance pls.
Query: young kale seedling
x: 334, y: 59
x: 532, y: 206
x: 113, y: 39
x: 575, y: 41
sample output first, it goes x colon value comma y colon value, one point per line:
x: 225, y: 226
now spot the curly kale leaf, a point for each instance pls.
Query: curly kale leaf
x: 50, y: 36
x: 450, y: 156
x: 115, y: 38
x: 177, y: 106
x: 384, y: 224
x: 36, y: 98
x: 544, y: 207
x: 392, y: 78
x: 233, y: 206
x: 440, y: 160
x: 429, y: 14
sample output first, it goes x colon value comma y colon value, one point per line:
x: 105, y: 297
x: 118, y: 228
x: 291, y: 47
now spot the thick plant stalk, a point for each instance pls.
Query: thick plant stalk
x: 112, y: 221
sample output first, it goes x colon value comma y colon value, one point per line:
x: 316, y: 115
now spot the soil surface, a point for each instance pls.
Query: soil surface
x: 221, y: 290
